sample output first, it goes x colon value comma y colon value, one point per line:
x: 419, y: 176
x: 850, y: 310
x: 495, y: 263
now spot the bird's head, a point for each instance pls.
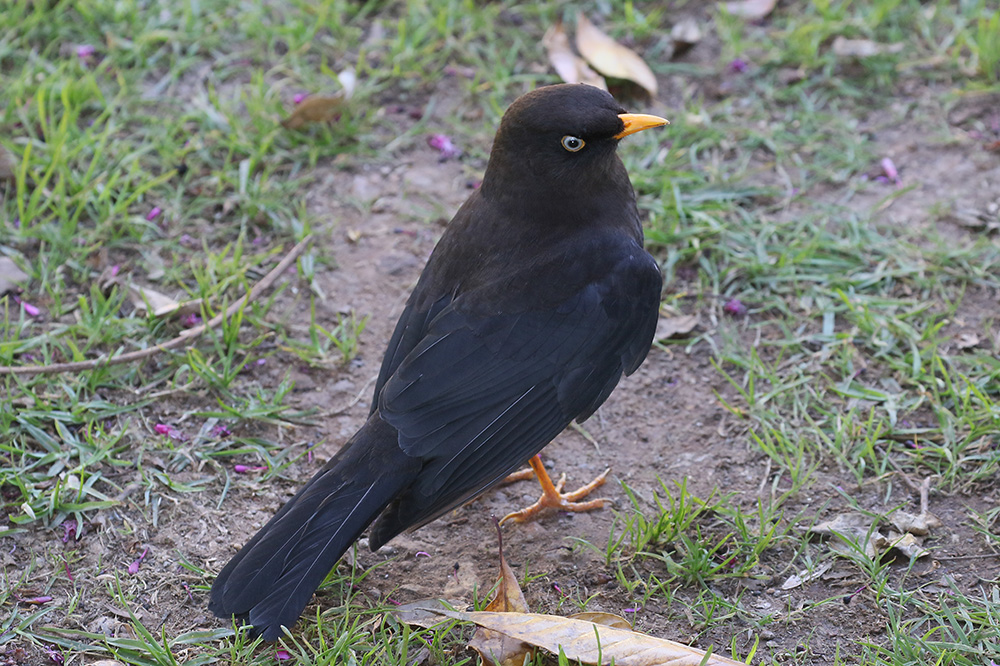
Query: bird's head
x: 561, y: 140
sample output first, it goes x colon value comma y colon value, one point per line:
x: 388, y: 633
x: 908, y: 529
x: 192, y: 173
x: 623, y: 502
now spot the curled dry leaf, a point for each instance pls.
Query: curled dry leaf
x: 921, y: 524
x: 10, y: 275
x: 590, y: 643
x: 611, y: 58
x: 314, y: 109
x: 570, y: 67
x: 751, y: 10
x: 676, y: 327
x: 862, y: 48
x: 495, y: 648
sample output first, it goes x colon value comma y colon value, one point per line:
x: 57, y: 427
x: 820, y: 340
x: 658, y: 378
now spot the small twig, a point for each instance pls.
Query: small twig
x: 183, y: 340
x: 925, y: 489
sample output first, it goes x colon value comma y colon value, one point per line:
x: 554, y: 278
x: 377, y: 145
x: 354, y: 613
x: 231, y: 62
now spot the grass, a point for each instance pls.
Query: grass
x: 146, y: 143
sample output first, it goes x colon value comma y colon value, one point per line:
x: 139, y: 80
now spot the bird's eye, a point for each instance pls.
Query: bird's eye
x: 572, y: 143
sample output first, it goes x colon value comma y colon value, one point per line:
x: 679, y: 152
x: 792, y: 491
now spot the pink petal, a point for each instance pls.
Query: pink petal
x: 282, y: 655
x: 154, y: 213
x: 84, y: 51
x: 299, y: 97
x: 163, y: 428
x: 890, y: 170
x: 444, y: 145
x: 30, y: 309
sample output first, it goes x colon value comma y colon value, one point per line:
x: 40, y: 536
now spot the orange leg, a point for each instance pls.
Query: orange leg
x: 552, y: 495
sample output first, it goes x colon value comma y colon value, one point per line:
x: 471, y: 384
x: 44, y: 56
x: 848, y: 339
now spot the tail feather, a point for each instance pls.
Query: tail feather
x: 270, y: 581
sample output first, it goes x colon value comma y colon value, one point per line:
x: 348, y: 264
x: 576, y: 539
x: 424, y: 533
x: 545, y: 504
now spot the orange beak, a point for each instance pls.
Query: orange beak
x: 636, y: 122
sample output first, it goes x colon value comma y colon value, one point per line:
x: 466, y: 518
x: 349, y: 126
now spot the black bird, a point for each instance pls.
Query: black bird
x: 537, y: 299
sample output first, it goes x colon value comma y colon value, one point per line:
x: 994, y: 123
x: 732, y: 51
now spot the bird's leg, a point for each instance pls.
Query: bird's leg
x: 552, y: 495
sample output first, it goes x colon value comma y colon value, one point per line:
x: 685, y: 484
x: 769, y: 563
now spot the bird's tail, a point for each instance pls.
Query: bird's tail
x: 270, y: 581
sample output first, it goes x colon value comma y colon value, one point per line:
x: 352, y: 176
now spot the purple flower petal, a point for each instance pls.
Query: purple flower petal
x: 154, y: 213
x: 28, y: 308
x: 243, y: 469
x: 299, y: 97
x: 163, y: 428
x: 69, y: 530
x: 84, y: 51
x: 890, y: 170
x: 282, y: 655
x: 36, y: 600
x: 735, y: 307
x: 738, y: 66
x: 421, y: 553
x: 444, y: 145
x: 134, y: 567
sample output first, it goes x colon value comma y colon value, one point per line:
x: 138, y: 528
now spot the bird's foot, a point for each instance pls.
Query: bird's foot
x: 553, y: 496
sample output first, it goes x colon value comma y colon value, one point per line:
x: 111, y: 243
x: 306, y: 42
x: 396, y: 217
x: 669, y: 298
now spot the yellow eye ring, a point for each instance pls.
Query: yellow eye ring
x: 572, y: 143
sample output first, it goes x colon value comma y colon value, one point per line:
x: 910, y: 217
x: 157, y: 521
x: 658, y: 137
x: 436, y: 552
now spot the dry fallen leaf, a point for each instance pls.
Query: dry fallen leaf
x: 605, y: 619
x: 685, y: 34
x: 498, y: 649
x: 752, y: 10
x: 10, y: 275
x: 570, y: 67
x: 611, y: 58
x: 589, y: 643
x: 676, y: 327
x: 921, y: 524
x: 853, y: 527
x: 149, y: 300
x: 314, y: 109
x: 862, y: 48
x: 907, y: 544
x: 805, y: 576
x: 968, y: 341
x: 422, y: 613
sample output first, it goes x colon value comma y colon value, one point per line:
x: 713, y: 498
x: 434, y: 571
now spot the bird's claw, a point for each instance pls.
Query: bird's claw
x: 553, y: 497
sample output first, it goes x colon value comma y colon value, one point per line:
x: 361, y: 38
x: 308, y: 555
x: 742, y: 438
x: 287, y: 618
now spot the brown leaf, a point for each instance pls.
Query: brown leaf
x: 570, y: 67
x: 611, y: 58
x: 8, y: 165
x: 314, y: 109
x: 498, y: 649
x: 862, y: 48
x: 10, y: 275
x: 591, y: 643
x: 676, y: 327
x: 751, y: 10
x: 605, y: 619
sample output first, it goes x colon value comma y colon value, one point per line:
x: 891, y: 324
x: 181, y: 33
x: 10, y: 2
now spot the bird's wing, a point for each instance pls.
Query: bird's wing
x: 484, y: 390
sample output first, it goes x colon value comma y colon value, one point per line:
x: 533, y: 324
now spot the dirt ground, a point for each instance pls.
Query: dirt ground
x: 664, y: 422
